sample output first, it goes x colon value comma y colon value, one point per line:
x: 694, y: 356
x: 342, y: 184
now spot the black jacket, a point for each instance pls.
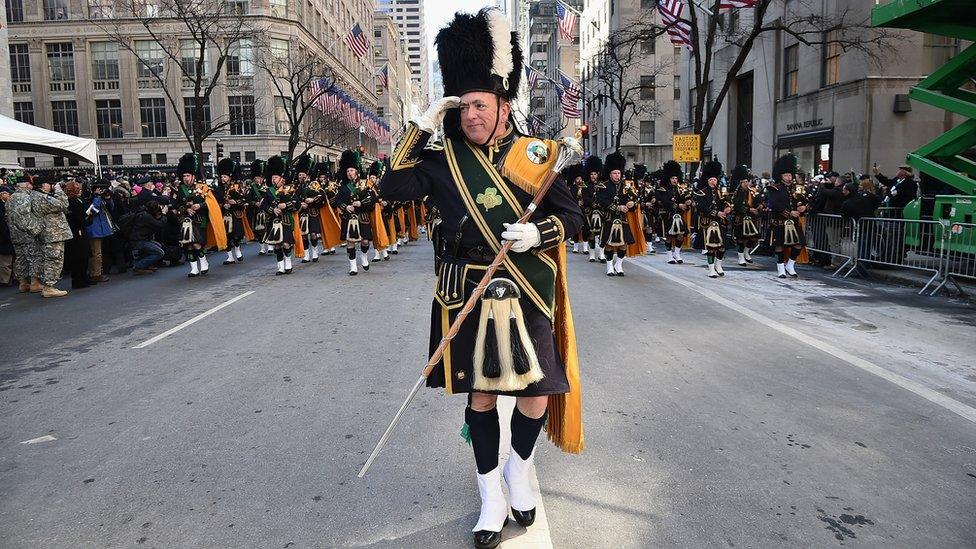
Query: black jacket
x: 6, y: 246
x: 860, y: 205
x: 906, y: 190
x: 78, y: 217
x: 146, y: 227
x: 829, y: 200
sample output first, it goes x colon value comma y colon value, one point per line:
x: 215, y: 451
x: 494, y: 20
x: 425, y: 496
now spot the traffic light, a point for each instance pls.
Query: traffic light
x: 220, y: 150
x: 584, y: 130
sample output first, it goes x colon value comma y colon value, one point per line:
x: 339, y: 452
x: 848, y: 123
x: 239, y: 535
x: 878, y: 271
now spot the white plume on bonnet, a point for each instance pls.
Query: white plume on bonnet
x: 501, y: 39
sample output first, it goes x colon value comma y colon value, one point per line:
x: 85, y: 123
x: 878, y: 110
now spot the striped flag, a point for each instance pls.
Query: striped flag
x: 532, y: 75
x: 385, y: 76
x: 356, y: 41
x: 567, y: 20
x: 736, y: 4
x: 678, y: 30
x: 569, y: 96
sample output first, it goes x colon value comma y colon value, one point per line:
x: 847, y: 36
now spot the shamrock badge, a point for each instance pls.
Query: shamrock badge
x: 489, y: 199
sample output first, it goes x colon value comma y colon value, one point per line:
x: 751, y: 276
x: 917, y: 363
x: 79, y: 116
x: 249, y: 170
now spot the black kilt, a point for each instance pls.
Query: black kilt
x: 237, y: 226
x: 365, y: 227
x: 608, y: 225
x: 314, y: 221
x: 777, y: 233
x: 461, y: 350
x: 199, y: 232
x: 737, y: 232
x: 666, y: 220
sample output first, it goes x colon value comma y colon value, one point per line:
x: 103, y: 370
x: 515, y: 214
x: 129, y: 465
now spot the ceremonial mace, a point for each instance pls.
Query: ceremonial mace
x: 570, y: 151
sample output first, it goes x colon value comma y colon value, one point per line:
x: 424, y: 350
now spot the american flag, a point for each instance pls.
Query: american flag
x: 357, y: 41
x: 385, y: 76
x: 567, y: 20
x: 736, y: 4
x: 532, y: 75
x: 569, y: 96
x: 679, y: 30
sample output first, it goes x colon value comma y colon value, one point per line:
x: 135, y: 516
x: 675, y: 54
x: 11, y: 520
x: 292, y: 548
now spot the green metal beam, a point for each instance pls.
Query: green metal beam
x: 954, y: 73
x: 953, y: 142
x: 965, y: 184
x: 944, y: 102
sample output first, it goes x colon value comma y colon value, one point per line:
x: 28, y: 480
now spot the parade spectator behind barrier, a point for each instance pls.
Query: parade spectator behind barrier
x: 6, y: 244
x: 142, y: 233
x: 77, y: 250
x: 50, y: 204
x: 899, y: 191
x: 117, y: 250
x: 24, y: 229
x: 829, y: 199
x: 100, y: 226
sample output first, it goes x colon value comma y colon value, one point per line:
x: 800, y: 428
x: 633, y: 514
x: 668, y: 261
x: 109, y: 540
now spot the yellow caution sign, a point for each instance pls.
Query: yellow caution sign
x: 686, y: 147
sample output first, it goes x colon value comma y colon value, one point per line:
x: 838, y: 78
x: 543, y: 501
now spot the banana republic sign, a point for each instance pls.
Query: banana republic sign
x: 804, y: 125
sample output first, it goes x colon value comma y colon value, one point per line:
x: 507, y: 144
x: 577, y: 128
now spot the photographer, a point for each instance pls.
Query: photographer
x: 78, y: 249
x: 145, y: 226
x: 50, y: 204
x: 100, y: 226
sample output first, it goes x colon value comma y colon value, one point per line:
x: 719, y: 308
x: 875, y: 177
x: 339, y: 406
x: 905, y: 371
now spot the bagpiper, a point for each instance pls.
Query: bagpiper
x: 785, y: 233
x: 573, y: 175
x: 233, y: 198
x: 281, y: 203
x: 713, y: 212
x: 745, y: 211
x: 356, y: 201
x: 675, y: 204
x: 381, y: 220
x: 596, y: 189
x: 647, y: 203
x: 617, y: 203
x: 519, y: 339
x: 202, y: 225
x: 257, y: 216
x: 327, y: 182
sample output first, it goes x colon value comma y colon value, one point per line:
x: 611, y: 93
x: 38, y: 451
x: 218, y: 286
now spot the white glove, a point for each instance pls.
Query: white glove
x: 430, y: 120
x: 523, y: 236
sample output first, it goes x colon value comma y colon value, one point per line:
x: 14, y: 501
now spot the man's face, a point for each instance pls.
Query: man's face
x: 4, y: 196
x: 372, y: 179
x: 259, y: 179
x: 352, y: 174
x: 225, y: 179
x: 277, y: 180
x: 188, y: 178
x: 594, y: 176
x: 615, y: 176
x: 902, y: 174
x: 787, y: 178
x: 480, y: 114
x: 302, y: 176
x: 713, y: 182
x: 745, y: 183
x: 674, y: 180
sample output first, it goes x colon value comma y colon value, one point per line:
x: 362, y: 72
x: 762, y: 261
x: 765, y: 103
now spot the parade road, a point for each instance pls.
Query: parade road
x: 234, y: 410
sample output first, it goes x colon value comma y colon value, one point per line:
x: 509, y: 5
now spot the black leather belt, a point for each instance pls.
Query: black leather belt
x: 482, y: 255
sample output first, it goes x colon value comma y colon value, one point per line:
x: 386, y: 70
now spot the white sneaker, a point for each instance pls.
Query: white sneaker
x: 281, y: 268
x: 610, y: 271
x: 238, y: 253
x: 352, y: 267
x: 677, y: 255
x: 288, y: 263
x: 592, y: 252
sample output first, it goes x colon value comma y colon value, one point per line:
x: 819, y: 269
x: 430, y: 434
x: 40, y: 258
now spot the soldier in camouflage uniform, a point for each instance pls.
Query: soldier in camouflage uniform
x: 50, y: 203
x: 24, y: 228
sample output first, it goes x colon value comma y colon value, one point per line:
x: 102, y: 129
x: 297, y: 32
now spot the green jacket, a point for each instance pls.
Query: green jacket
x: 24, y: 225
x: 51, y: 208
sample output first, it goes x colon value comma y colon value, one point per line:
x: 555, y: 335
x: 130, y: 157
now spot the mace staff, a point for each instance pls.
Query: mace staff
x: 569, y: 152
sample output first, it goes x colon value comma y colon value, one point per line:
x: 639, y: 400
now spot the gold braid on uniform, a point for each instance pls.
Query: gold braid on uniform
x: 551, y: 232
x: 407, y: 152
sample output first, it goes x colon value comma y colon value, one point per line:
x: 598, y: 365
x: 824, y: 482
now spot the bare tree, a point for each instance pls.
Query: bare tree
x: 804, y: 20
x: 619, y: 60
x: 301, y: 78
x: 191, y: 40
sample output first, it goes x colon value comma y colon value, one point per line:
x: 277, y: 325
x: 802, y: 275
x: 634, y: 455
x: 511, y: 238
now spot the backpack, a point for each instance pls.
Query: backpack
x: 125, y: 223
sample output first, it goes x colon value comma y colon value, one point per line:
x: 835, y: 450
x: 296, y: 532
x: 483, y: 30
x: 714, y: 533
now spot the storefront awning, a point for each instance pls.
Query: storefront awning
x: 811, y: 137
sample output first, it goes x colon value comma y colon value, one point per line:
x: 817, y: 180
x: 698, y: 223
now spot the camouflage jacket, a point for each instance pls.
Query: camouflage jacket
x: 24, y: 225
x: 51, y: 209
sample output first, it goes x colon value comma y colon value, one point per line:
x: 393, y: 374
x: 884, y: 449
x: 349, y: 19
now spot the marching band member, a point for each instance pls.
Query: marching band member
x: 745, y: 208
x: 282, y: 203
x: 356, y: 200
x: 203, y: 226
x: 713, y: 213
x: 785, y: 233
x: 675, y: 203
x: 617, y: 233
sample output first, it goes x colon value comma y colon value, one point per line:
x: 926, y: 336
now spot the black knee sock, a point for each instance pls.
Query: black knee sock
x: 315, y: 242
x: 485, y: 434
x: 719, y: 254
x: 279, y: 255
x: 525, y: 431
x: 189, y: 256
x: 364, y: 249
x: 621, y: 254
x: 351, y: 252
x: 305, y: 242
x: 591, y: 242
x: 794, y: 253
x: 741, y: 248
x: 198, y: 253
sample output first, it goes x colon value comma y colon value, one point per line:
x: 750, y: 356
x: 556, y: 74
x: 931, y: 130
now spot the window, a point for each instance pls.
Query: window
x: 150, y: 54
x: 188, y: 108
x: 241, y: 110
x: 647, y: 131
x: 189, y: 55
x: 24, y: 112
x: 236, y: 155
x: 647, y: 46
x: 64, y: 114
x: 540, y: 47
x: 152, y: 112
x: 15, y: 10
x: 239, y: 59
x: 108, y: 118
x: 105, y: 60
x: 791, y: 66
x: 103, y: 159
x: 279, y: 54
x: 281, y: 115
x: 116, y: 159
x: 145, y: 158
x: 236, y: 7
x: 160, y: 158
x: 675, y: 124
x: 647, y: 87
x: 279, y: 8
x: 249, y: 156
x: 677, y: 87
x: 55, y: 10
x: 146, y: 8
x: 19, y: 64
x: 831, y: 60
x: 29, y: 162
x: 61, y: 60
x: 101, y: 9
x: 58, y: 161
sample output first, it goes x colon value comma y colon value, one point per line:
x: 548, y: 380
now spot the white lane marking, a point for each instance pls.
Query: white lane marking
x: 197, y: 318
x: 931, y: 395
x: 45, y: 438
x: 536, y: 536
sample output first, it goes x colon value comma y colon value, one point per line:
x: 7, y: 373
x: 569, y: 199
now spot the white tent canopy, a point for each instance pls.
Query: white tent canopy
x: 25, y: 137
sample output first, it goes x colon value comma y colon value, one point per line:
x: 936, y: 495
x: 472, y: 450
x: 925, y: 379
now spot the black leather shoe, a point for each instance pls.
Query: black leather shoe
x: 524, y: 518
x: 611, y: 274
x: 229, y: 262
x: 315, y: 260
x: 592, y: 260
x: 486, y: 539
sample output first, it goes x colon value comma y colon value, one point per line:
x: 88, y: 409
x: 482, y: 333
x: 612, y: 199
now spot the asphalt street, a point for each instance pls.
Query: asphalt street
x: 742, y: 412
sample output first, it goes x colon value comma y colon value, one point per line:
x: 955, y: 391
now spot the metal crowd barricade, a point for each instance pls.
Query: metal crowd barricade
x: 903, y: 243
x: 832, y: 235
x: 960, y: 255
x: 887, y: 212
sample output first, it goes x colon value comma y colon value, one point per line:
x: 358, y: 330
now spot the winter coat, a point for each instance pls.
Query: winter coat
x: 24, y: 224
x: 102, y: 224
x: 51, y: 208
x: 6, y: 245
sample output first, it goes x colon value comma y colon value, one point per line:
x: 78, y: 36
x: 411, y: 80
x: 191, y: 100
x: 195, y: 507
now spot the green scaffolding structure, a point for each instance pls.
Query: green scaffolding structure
x: 943, y: 158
